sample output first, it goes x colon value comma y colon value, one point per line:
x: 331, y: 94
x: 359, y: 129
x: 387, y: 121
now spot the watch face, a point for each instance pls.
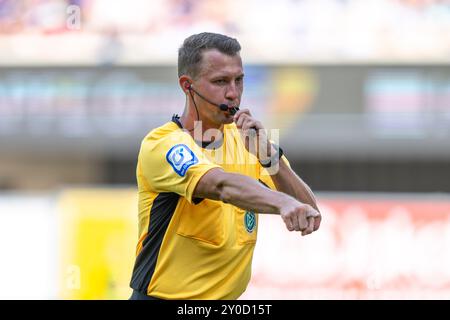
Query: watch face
x: 274, y: 158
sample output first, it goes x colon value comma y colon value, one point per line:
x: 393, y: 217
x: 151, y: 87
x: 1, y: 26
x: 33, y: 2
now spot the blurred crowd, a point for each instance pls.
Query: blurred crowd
x: 302, y: 28
x: 17, y: 16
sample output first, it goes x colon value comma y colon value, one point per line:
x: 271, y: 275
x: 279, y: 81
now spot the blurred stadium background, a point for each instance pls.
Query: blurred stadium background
x: 359, y: 88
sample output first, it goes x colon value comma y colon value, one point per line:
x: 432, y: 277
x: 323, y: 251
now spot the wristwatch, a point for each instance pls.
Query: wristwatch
x: 274, y: 158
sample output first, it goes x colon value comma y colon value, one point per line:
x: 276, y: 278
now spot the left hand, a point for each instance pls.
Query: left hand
x: 257, y: 142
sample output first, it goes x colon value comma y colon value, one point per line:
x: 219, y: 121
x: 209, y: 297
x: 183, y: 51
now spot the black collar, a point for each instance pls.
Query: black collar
x: 176, y: 119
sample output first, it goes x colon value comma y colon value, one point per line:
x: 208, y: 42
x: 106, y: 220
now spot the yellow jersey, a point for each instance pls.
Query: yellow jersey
x: 192, y: 248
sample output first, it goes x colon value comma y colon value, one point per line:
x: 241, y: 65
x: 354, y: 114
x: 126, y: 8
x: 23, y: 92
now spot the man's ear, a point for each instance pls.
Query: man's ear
x: 185, y: 83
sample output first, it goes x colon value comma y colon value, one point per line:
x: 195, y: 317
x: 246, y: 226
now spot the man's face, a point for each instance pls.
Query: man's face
x: 220, y: 80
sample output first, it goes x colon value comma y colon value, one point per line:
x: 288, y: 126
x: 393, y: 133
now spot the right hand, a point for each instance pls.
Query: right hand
x: 300, y: 217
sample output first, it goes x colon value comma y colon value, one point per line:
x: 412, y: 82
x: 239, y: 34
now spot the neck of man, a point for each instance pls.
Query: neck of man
x: 188, y: 120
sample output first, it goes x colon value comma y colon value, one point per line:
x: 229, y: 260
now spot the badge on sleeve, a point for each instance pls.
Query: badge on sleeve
x: 181, y: 158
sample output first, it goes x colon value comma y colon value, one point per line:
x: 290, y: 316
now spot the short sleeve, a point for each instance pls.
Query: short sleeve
x: 173, y: 163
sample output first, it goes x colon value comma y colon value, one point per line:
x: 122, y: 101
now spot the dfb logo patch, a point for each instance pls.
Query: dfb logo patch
x: 181, y: 158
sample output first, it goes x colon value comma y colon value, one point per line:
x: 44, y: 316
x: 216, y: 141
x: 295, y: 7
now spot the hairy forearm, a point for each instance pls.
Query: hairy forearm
x: 249, y: 194
x: 287, y: 181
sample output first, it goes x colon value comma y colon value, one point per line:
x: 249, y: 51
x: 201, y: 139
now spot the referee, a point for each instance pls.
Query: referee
x: 202, y: 180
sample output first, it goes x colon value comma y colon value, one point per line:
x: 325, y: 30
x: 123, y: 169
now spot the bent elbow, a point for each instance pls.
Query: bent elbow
x: 221, y: 190
x: 224, y: 194
x: 213, y: 186
x: 217, y: 185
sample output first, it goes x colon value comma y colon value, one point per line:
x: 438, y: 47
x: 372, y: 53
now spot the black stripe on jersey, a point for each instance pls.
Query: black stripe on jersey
x: 197, y: 200
x: 161, y: 213
x: 264, y: 183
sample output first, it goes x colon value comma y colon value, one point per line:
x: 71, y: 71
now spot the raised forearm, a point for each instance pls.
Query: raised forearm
x: 241, y: 191
x: 249, y: 194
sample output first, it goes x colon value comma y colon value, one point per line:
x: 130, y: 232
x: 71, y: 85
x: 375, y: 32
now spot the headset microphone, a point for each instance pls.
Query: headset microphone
x: 222, y: 106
